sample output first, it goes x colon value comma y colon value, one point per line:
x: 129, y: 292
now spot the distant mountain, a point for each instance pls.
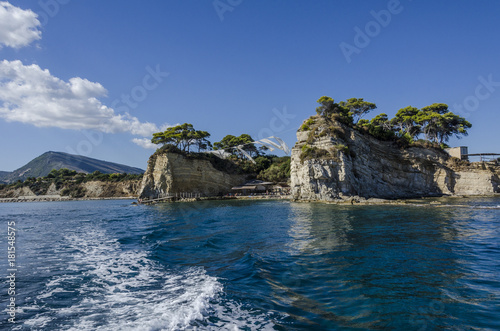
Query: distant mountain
x: 42, y: 165
x: 3, y: 174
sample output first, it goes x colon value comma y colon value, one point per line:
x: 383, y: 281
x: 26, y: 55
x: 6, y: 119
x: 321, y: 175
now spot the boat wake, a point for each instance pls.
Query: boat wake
x: 105, y: 287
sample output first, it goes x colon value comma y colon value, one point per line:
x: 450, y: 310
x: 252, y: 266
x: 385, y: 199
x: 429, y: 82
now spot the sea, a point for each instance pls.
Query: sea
x: 250, y: 265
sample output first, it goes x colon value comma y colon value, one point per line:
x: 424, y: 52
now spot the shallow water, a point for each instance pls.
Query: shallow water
x: 253, y: 265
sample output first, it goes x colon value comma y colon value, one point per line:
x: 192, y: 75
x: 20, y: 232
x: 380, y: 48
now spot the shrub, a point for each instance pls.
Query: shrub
x: 313, y: 152
x: 342, y: 148
x: 380, y: 133
x: 169, y: 149
x: 344, y: 118
x: 311, y: 137
x: 338, y: 132
x: 307, y: 125
x: 279, y: 171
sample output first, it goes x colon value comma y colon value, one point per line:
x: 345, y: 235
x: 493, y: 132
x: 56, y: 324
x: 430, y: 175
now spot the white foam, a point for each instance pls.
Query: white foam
x: 119, y: 289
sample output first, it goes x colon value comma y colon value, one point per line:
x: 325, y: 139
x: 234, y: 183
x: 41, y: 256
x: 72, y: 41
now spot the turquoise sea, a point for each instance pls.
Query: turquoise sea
x: 253, y: 265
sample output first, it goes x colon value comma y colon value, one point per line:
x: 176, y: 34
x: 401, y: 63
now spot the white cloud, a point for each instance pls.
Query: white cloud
x: 18, y: 27
x: 144, y: 143
x: 31, y: 95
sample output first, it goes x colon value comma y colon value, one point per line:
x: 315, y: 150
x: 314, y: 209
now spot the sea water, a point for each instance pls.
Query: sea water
x: 252, y: 265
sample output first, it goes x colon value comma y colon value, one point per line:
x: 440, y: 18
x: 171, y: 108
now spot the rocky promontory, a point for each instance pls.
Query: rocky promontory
x: 332, y: 162
x: 172, y: 173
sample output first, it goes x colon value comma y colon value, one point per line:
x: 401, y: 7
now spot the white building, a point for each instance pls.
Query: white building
x: 459, y: 152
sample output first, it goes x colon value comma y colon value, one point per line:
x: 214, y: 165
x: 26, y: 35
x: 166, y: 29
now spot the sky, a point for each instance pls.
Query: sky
x: 97, y: 78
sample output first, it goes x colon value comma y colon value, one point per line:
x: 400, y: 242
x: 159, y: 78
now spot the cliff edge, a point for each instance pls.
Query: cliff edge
x: 332, y: 161
x: 175, y: 173
x: 86, y: 190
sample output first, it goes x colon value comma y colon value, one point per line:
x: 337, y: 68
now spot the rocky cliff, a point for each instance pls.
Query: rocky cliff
x: 171, y: 173
x: 331, y: 161
x: 86, y: 190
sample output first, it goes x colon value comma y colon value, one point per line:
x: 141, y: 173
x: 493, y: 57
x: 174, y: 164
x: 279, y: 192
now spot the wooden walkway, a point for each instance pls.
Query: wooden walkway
x: 170, y: 197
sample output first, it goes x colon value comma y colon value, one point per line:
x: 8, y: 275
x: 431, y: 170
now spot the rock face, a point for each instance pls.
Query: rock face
x: 345, y: 163
x: 97, y: 189
x: 175, y: 173
x: 88, y: 190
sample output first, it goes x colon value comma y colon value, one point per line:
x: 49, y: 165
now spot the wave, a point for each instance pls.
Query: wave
x: 106, y: 287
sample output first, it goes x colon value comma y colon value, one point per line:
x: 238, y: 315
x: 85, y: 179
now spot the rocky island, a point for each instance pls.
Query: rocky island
x: 338, y: 157
x: 335, y: 160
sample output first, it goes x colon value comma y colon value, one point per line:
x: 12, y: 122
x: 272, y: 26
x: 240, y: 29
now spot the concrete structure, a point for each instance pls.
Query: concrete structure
x: 459, y: 152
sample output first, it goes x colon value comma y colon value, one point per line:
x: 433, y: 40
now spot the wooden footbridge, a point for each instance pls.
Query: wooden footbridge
x: 170, y: 197
x: 485, y: 156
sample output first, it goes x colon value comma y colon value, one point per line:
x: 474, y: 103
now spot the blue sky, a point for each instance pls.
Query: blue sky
x: 233, y: 67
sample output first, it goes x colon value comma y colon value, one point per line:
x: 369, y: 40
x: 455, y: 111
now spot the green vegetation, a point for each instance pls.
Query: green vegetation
x: 313, y: 152
x: 266, y: 167
x: 307, y: 125
x: 358, y: 107
x: 342, y: 148
x: 69, y: 179
x: 245, y: 141
x: 180, y: 138
x: 334, y: 111
x: 183, y: 137
x: 277, y: 171
x: 435, y: 122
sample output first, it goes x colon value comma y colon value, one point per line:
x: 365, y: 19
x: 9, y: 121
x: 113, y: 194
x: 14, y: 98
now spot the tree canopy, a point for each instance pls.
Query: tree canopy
x: 183, y: 136
x: 435, y: 121
x: 439, y: 124
x: 328, y: 108
x: 244, y: 140
x: 405, y: 121
x: 358, y: 107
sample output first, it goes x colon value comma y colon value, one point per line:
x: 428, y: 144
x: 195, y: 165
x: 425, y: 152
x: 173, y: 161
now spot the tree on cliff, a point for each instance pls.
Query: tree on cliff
x: 229, y: 143
x: 358, y: 107
x: 439, y: 124
x: 406, y: 122
x: 183, y: 136
x: 331, y: 110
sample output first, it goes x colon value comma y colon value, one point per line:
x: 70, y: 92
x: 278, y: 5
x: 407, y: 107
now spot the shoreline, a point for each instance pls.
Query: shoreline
x: 42, y: 198
x: 256, y: 197
x: 435, y: 201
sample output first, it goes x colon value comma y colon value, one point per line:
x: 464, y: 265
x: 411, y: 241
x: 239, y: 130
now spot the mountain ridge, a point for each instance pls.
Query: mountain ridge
x: 43, y: 164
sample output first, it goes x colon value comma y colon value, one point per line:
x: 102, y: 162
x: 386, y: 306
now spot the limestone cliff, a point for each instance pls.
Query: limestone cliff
x: 171, y: 173
x: 331, y: 161
x: 85, y: 190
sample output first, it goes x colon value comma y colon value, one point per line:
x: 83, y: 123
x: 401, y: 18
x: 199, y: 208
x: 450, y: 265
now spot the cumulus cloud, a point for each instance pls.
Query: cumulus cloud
x: 18, y: 27
x: 31, y: 95
x: 144, y: 143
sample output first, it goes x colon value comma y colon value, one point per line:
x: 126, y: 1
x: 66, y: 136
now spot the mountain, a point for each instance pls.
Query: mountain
x: 42, y: 165
x: 3, y: 174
